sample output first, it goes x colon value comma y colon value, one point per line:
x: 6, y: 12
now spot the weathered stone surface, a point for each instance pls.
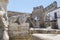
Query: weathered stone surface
x: 18, y: 29
x: 42, y: 12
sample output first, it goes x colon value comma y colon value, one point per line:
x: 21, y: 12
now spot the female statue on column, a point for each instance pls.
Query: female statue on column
x: 3, y: 24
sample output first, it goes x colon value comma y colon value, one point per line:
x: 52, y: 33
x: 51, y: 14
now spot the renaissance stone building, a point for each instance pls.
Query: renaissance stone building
x: 18, y: 27
x: 41, y: 13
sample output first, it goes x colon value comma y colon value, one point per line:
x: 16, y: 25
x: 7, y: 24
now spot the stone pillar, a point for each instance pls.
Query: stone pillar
x: 39, y: 12
x: 3, y: 20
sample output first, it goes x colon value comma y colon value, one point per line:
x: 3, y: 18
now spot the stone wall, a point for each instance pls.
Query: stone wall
x: 18, y: 28
x: 13, y: 13
x: 19, y: 31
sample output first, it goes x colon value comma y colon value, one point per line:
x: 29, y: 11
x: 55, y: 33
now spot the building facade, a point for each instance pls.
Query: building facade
x: 40, y: 12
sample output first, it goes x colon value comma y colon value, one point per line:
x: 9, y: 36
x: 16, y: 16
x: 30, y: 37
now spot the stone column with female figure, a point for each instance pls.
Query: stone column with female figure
x: 3, y: 26
x: 3, y: 20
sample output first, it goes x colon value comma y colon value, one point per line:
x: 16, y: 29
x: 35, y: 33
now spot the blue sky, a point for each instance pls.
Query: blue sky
x: 27, y: 5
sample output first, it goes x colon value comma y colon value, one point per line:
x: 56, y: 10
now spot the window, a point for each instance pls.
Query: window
x: 1, y: 8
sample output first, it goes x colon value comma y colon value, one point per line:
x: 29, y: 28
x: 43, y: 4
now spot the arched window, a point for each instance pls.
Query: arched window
x: 36, y: 18
x: 55, y: 15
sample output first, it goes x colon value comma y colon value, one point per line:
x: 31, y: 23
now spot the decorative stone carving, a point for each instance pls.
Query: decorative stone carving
x: 3, y: 20
x: 4, y: 26
x: 17, y: 29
